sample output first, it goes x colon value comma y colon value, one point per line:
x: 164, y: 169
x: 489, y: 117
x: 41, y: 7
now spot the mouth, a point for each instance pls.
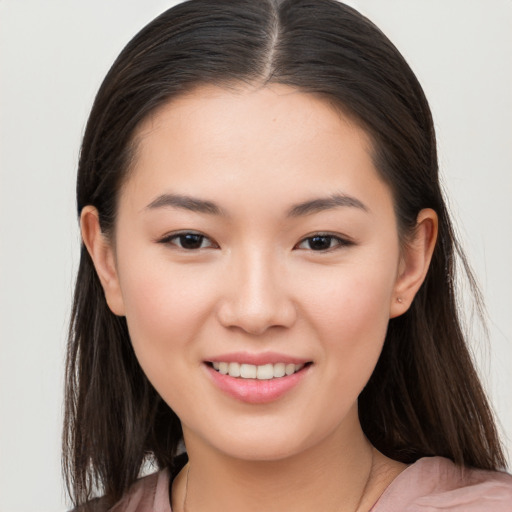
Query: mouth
x: 257, y: 383
x: 267, y: 371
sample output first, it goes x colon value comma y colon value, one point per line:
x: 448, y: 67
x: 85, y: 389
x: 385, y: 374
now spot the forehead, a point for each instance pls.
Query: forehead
x: 204, y: 99
x: 248, y: 138
x: 256, y: 116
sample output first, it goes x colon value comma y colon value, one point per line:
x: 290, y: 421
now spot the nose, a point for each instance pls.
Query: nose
x: 256, y: 296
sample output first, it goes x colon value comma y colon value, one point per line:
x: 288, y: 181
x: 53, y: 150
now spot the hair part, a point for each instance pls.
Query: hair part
x: 424, y: 397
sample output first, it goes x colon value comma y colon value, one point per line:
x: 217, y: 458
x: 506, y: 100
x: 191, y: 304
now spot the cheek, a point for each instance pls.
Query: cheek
x: 164, y: 311
x: 352, y: 298
x: 351, y: 313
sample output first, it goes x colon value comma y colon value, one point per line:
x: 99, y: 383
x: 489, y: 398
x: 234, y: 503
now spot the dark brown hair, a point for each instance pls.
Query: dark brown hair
x: 424, y: 397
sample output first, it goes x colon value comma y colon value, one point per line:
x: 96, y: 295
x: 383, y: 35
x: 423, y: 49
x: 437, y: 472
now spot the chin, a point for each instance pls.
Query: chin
x: 261, y: 442
x: 264, y: 450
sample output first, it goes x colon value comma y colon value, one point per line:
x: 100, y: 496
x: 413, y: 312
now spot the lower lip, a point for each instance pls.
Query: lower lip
x: 255, y: 391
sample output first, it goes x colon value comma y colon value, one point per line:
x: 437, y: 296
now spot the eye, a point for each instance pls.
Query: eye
x: 189, y: 241
x: 323, y: 242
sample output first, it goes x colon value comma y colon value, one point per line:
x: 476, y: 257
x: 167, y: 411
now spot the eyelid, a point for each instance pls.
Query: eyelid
x: 167, y: 239
x: 343, y: 241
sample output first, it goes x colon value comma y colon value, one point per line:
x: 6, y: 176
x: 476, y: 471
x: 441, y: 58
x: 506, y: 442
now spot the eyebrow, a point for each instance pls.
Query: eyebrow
x: 186, y: 203
x: 325, y: 203
x: 298, y: 210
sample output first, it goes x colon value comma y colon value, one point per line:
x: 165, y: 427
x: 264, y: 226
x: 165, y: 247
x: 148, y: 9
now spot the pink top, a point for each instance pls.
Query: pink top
x: 431, y: 484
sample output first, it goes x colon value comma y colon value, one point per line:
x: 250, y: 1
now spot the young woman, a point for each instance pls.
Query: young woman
x: 265, y: 303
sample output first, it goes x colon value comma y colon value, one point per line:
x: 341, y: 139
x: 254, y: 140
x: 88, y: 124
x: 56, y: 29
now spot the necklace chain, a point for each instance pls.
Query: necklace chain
x: 355, y: 510
x: 186, y: 490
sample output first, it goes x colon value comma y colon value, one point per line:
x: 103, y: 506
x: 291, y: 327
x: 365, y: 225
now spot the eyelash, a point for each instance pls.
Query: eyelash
x: 181, y: 236
x: 339, y: 241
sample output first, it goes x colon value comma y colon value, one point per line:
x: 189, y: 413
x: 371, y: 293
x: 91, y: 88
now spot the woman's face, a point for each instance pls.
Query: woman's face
x: 254, y: 234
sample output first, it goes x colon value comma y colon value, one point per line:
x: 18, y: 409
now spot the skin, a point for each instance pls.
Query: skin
x: 256, y: 285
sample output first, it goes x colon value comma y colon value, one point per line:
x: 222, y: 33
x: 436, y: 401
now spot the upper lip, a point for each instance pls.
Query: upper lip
x: 257, y: 359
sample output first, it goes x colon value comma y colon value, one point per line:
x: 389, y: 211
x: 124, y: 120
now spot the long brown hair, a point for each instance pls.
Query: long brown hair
x: 424, y: 397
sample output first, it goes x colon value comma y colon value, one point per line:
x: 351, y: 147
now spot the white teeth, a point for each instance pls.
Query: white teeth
x: 234, y: 369
x: 279, y: 370
x: 248, y: 371
x: 265, y: 372
x: 261, y: 372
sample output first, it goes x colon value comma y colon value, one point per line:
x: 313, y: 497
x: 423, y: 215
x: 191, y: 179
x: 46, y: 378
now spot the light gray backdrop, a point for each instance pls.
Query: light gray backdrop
x: 53, y: 55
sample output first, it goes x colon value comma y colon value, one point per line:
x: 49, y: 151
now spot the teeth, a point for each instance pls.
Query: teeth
x: 265, y: 372
x: 248, y: 371
x: 262, y: 372
x: 234, y: 369
x: 279, y: 370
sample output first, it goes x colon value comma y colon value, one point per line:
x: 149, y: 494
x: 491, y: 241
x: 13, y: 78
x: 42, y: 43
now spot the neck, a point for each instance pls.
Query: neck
x: 340, y: 475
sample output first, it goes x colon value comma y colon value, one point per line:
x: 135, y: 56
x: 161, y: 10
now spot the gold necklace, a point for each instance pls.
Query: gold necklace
x: 368, y: 478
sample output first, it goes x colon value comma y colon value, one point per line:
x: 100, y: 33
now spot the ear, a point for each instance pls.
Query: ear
x: 415, y: 261
x: 102, y: 254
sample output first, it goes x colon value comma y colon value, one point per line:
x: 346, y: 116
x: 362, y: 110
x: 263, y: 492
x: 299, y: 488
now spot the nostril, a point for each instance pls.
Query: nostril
x: 250, y: 311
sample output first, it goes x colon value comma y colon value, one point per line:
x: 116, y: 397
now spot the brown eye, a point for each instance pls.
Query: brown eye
x: 322, y: 242
x: 188, y: 241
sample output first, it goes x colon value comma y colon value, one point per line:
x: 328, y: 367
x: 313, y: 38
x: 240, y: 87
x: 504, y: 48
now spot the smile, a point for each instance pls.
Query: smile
x: 257, y: 378
x: 260, y: 372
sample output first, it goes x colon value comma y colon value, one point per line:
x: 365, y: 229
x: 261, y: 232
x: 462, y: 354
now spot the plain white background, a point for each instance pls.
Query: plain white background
x: 53, y: 55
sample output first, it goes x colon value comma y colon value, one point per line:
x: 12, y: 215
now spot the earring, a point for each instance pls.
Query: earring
x: 399, y: 300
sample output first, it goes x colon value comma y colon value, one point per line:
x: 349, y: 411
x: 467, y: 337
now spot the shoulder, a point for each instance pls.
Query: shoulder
x: 435, y: 483
x: 148, y: 494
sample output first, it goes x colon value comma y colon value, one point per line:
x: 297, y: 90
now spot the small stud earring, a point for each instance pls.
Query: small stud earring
x: 399, y: 300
